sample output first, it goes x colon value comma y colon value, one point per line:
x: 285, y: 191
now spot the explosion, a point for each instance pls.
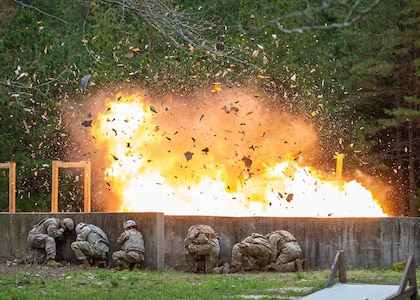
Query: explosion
x: 221, y: 153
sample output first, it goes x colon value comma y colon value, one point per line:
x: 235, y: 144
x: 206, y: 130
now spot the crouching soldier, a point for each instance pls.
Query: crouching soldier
x: 255, y: 250
x: 202, y: 245
x: 132, y: 247
x: 43, y: 236
x: 286, y: 253
x: 91, y: 246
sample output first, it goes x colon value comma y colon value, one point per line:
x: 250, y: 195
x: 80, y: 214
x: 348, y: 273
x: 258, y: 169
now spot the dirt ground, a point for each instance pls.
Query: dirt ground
x: 13, y: 268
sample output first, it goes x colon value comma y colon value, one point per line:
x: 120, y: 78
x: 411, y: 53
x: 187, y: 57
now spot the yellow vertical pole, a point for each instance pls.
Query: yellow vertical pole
x: 12, y: 184
x: 54, y: 188
x: 339, y: 166
x: 12, y: 187
x: 87, y: 172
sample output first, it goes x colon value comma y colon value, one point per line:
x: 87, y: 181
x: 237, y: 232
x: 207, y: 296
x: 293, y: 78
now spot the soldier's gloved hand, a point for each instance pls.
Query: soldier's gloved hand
x: 192, y: 248
x: 61, y: 230
x: 202, y: 239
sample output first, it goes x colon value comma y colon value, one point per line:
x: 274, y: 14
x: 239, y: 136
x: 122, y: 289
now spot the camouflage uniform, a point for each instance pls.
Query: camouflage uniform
x: 132, y: 248
x: 202, y: 243
x: 255, y: 249
x: 91, y: 243
x: 285, y: 251
x: 43, y: 236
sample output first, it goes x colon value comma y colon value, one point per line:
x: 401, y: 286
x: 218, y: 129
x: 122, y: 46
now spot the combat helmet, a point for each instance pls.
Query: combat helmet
x: 80, y: 226
x: 130, y: 223
x: 68, y: 223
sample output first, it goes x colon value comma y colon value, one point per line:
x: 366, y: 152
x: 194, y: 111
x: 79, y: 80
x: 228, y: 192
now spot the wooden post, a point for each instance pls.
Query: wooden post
x: 12, y: 184
x: 56, y: 164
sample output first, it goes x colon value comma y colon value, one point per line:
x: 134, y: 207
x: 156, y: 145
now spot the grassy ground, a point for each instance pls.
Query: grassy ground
x: 34, y: 282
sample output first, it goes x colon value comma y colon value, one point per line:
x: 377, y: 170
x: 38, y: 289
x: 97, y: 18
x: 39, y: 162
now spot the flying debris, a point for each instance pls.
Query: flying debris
x: 205, y: 150
x: 152, y: 108
x: 289, y: 197
x: 188, y: 155
x: 229, y: 107
x: 87, y: 123
x: 247, y: 161
x: 216, y: 87
x: 84, y: 82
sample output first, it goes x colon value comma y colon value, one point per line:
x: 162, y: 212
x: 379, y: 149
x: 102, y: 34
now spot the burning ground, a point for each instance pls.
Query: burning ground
x: 218, y: 152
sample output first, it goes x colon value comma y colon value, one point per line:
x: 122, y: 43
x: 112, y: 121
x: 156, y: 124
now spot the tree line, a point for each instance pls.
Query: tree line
x: 352, y: 66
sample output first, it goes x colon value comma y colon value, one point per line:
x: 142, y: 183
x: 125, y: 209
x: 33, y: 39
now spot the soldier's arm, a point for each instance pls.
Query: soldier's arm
x: 192, y: 234
x: 273, y: 244
x: 122, y: 237
x: 53, y: 231
x: 83, y: 233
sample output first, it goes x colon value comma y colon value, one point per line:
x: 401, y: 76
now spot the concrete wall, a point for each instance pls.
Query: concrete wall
x: 368, y: 242
x: 14, y: 230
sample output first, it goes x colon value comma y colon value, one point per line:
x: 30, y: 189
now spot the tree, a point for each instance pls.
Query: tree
x: 382, y: 60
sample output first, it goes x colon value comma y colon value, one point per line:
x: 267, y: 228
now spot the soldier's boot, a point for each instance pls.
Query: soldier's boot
x: 298, y: 265
x: 222, y: 269
x: 305, y: 265
x: 235, y: 268
x: 52, y: 263
x: 272, y: 268
x: 84, y: 264
x: 133, y: 266
x: 100, y: 263
x: 122, y: 265
x: 22, y: 260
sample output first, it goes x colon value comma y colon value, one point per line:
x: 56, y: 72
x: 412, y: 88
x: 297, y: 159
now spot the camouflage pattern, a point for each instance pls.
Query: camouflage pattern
x: 202, y: 246
x: 43, y: 236
x: 91, y: 243
x: 132, y: 248
x: 285, y: 251
x: 255, y: 249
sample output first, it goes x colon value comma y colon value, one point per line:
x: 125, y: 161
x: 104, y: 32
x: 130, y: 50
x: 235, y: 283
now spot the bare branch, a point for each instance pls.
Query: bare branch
x: 354, y: 13
x: 185, y: 31
x: 40, y: 11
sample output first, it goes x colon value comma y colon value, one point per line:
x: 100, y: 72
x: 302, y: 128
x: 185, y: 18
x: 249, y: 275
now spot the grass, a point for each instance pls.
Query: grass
x: 69, y: 283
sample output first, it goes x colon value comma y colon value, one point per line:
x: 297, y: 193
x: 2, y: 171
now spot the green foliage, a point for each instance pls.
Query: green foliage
x: 350, y: 83
x: 381, y: 76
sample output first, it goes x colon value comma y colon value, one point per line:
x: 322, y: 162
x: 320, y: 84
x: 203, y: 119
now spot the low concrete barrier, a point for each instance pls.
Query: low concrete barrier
x: 14, y: 230
x: 368, y: 242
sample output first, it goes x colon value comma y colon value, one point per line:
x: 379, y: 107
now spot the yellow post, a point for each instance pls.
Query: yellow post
x: 339, y: 167
x: 56, y: 164
x: 12, y: 184
x: 54, y: 187
x: 12, y: 187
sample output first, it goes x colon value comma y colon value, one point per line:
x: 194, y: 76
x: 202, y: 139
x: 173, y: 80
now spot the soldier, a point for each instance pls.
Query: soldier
x: 285, y: 252
x: 202, y: 244
x: 255, y: 250
x: 132, y: 247
x: 44, y: 235
x: 91, y: 245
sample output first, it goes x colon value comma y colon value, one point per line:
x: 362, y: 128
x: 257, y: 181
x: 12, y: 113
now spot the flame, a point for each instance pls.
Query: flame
x: 222, y: 155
